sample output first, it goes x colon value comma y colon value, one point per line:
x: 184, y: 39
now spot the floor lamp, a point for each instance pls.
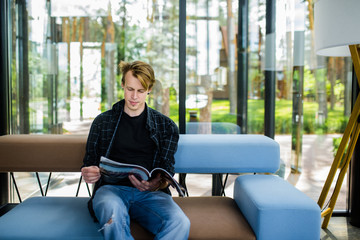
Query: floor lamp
x: 337, y: 34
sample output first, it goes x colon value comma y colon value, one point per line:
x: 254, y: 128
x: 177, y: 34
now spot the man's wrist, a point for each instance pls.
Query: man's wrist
x: 162, y: 184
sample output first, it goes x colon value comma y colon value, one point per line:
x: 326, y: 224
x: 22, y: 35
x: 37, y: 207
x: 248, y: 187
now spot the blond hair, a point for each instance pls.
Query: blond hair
x: 141, y: 70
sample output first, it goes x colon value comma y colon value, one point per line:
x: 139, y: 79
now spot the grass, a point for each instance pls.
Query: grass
x: 335, y: 123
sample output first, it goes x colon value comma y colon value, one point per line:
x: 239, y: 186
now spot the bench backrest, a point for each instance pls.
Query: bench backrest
x: 197, y: 153
x: 42, y: 153
x: 227, y: 153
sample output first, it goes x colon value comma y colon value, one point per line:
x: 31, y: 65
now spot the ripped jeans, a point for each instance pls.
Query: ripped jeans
x: 156, y: 211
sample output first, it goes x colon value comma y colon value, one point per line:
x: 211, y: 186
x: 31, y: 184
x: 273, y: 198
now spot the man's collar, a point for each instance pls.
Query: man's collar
x: 150, y: 123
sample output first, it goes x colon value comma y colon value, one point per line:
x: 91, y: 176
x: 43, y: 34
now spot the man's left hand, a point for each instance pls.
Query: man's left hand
x: 143, y: 185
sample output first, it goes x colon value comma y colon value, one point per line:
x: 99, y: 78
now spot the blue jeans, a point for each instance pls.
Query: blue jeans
x: 156, y: 211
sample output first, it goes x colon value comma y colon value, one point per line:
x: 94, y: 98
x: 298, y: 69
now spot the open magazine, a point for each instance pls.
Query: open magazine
x: 114, y: 171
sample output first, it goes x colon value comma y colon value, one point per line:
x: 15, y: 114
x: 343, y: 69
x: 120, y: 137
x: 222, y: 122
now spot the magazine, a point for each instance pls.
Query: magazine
x: 114, y: 171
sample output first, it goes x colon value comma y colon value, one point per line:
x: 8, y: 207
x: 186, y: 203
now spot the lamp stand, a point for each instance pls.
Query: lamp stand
x: 341, y: 161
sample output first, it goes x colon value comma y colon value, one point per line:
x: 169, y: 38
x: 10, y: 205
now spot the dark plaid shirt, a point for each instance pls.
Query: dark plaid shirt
x: 163, y: 131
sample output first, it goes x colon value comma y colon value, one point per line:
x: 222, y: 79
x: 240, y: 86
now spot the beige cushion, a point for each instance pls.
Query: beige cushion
x: 211, y: 218
x: 42, y: 153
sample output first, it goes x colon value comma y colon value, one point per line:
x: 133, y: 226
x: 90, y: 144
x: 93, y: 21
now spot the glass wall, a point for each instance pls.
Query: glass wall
x: 64, y: 58
x: 313, y: 94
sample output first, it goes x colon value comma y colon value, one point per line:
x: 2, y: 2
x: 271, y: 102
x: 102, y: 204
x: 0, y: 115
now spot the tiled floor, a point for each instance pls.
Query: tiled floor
x: 339, y: 228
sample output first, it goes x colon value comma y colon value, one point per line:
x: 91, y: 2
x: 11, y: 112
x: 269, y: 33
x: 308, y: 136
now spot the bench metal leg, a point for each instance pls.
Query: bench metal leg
x: 16, y: 188
x: 182, y: 181
x: 87, y: 186
x: 39, y: 182
x: 48, y: 184
x: 78, y: 188
x: 217, y: 184
x: 224, y: 185
x: 40, y: 185
x: 218, y: 188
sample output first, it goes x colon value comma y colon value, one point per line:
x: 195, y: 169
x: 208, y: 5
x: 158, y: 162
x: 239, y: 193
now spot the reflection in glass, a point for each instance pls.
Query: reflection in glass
x: 211, y: 62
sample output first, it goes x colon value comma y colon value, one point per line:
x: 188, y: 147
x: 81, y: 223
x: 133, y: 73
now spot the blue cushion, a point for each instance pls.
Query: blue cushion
x: 275, y: 209
x: 226, y: 153
x: 49, y: 218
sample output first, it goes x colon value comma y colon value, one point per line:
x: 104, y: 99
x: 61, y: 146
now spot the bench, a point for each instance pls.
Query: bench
x: 264, y: 205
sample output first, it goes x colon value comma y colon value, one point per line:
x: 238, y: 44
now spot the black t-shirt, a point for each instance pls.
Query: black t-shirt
x: 132, y: 143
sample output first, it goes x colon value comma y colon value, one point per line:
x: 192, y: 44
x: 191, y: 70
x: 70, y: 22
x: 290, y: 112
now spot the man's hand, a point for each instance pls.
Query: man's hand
x: 91, y: 174
x: 143, y: 185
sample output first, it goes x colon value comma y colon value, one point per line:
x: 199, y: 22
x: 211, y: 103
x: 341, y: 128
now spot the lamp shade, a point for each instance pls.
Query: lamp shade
x: 336, y: 26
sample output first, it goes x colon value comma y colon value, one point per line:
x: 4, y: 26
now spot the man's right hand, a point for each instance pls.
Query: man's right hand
x: 91, y: 174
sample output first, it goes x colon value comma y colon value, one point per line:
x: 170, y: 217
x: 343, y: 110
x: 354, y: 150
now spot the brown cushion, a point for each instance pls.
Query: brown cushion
x: 42, y: 153
x: 210, y: 217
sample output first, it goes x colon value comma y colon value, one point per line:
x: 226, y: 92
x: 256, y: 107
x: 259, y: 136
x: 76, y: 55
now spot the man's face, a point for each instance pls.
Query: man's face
x: 135, y: 95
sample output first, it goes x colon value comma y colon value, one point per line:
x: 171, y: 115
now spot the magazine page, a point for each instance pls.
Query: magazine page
x: 113, y: 172
x: 118, y: 171
x: 170, y: 179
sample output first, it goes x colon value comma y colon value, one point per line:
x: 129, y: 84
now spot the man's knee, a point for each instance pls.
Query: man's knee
x: 107, y: 224
x: 185, y: 223
x: 181, y: 223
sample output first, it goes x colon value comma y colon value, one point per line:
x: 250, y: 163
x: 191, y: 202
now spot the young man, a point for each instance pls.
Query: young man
x: 131, y: 132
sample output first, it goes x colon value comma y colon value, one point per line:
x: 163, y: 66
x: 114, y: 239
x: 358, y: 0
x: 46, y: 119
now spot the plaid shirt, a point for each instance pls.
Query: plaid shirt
x: 163, y: 131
